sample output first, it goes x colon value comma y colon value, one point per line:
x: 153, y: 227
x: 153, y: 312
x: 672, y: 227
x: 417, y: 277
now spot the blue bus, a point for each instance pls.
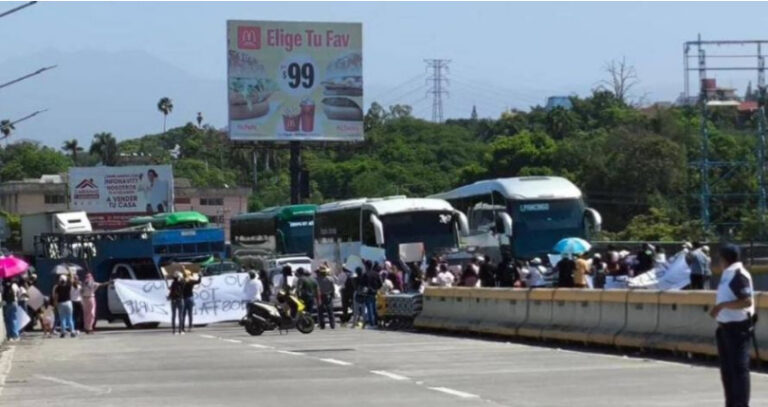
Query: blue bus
x: 523, y: 217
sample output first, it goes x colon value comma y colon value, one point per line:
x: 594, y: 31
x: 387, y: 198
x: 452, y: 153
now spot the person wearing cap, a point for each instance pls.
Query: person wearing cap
x: 733, y: 310
x: 327, y: 292
x: 534, y: 276
x: 598, y: 271
x: 699, y: 262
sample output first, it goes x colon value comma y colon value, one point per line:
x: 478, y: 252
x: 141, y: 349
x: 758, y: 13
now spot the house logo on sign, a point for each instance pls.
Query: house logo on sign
x: 86, y: 189
x: 249, y: 37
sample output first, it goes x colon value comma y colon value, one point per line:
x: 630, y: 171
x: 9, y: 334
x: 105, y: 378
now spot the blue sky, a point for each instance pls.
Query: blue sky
x: 503, y: 55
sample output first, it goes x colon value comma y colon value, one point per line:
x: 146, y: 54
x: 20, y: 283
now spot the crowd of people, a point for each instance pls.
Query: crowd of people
x: 69, y: 310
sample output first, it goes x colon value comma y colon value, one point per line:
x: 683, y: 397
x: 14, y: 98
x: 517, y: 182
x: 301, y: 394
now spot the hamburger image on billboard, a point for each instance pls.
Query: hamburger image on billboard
x: 295, y: 81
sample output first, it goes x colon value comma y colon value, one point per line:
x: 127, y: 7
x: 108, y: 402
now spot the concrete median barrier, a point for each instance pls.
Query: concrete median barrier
x: 613, y: 317
x: 502, y: 310
x: 642, y: 319
x: 575, y: 312
x: 539, y: 313
x: 439, y: 307
x: 684, y: 323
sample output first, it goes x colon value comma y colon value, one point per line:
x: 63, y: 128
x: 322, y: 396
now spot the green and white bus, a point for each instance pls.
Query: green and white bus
x: 275, y: 231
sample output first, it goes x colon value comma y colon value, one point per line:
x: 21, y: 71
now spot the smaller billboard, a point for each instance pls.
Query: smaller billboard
x: 113, y: 195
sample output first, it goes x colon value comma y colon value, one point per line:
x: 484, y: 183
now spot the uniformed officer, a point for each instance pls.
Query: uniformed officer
x: 733, y: 311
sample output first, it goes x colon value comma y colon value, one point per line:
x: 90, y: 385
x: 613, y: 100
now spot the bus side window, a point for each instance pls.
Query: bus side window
x: 480, y: 213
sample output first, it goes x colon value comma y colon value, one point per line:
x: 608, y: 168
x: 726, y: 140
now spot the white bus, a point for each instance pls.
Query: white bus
x: 374, y: 228
x: 524, y: 217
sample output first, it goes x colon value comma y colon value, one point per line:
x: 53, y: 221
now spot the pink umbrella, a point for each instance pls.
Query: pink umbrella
x: 12, y: 266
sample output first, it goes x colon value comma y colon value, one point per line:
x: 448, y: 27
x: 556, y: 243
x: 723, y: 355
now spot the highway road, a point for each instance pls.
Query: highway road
x: 222, y: 365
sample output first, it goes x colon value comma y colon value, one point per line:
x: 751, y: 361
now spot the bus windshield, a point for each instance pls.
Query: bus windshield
x: 436, y: 229
x: 296, y: 234
x: 539, y: 225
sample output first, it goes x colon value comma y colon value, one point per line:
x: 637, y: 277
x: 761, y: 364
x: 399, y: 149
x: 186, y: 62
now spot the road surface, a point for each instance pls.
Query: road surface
x: 222, y: 365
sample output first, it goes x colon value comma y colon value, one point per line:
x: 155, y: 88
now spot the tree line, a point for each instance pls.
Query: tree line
x: 633, y: 164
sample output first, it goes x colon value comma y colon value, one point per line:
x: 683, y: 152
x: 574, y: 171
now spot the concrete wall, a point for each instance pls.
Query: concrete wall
x: 668, y: 321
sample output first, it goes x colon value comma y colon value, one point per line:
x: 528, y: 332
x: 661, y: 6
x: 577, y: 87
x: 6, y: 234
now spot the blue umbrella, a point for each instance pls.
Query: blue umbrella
x: 572, y: 245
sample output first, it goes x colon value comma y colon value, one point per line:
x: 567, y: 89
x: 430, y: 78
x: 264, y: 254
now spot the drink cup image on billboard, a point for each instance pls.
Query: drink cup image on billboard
x: 295, y: 81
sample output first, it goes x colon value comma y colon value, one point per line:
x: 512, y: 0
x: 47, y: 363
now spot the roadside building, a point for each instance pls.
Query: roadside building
x: 34, y: 195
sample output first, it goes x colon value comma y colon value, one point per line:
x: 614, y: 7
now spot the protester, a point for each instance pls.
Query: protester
x: 598, y: 271
x: 581, y: 271
x: 358, y: 304
x: 487, y: 273
x: 176, y: 297
x: 347, y: 295
x: 307, y: 290
x: 254, y: 289
x: 699, y: 262
x: 189, y: 298
x: 62, y: 300
x: 469, y: 276
x: 565, y: 268
x: 445, y: 277
x: 10, y: 300
x: 645, y: 259
x: 373, y: 284
x: 387, y: 287
x: 77, y: 303
x: 285, y: 281
x: 734, y: 310
x: 534, y: 274
x: 396, y: 277
x: 327, y: 291
x: 88, y: 293
x: 505, y: 272
x: 266, y: 293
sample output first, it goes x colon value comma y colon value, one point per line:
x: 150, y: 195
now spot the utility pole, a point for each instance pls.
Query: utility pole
x: 439, y: 81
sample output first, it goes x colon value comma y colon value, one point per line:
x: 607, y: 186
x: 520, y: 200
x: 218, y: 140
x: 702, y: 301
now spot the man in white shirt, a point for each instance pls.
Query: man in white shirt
x: 445, y: 278
x: 733, y: 310
x: 253, y: 287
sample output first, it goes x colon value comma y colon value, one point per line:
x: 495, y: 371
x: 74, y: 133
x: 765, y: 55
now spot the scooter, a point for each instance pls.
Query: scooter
x: 289, y: 313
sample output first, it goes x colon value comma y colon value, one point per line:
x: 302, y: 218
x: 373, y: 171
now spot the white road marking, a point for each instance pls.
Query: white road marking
x: 76, y: 385
x: 208, y: 336
x: 337, y: 362
x: 258, y: 346
x: 453, y: 392
x: 287, y: 352
x: 232, y: 340
x: 391, y: 375
x: 6, y: 360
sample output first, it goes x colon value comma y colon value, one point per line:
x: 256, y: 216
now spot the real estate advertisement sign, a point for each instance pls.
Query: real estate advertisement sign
x: 295, y: 81
x: 113, y: 195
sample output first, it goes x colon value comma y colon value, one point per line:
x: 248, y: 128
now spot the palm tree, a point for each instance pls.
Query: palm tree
x: 6, y: 127
x: 165, y: 106
x: 105, y: 146
x: 73, y: 147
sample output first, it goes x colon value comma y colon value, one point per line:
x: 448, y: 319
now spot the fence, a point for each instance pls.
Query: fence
x: 652, y: 320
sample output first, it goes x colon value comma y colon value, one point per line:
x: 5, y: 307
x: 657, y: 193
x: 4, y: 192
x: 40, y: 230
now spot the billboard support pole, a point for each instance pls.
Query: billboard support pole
x: 295, y: 172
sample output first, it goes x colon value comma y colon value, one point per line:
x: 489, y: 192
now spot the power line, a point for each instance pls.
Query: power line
x: 397, y: 87
x: 37, y: 72
x: 15, y: 9
x: 439, y: 67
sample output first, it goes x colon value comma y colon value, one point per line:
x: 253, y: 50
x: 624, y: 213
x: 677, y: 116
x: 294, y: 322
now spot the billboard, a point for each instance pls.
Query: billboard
x: 295, y: 81
x: 113, y: 195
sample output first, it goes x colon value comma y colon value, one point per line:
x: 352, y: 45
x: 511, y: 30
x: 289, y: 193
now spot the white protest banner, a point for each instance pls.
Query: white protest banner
x: 217, y: 299
x: 674, y: 276
x: 411, y: 252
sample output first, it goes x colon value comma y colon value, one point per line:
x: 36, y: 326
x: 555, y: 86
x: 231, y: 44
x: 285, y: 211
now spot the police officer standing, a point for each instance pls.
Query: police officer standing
x: 733, y: 310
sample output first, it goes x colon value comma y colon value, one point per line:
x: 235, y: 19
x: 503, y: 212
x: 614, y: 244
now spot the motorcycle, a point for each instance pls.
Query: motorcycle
x: 287, y: 314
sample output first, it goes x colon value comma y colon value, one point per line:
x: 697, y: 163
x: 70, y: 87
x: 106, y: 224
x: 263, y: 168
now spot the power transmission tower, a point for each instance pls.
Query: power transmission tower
x: 708, y: 96
x: 439, y: 81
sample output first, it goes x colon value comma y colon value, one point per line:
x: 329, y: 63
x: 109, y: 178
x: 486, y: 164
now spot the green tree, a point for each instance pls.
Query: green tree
x: 73, y: 147
x: 165, y: 106
x: 105, y: 146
